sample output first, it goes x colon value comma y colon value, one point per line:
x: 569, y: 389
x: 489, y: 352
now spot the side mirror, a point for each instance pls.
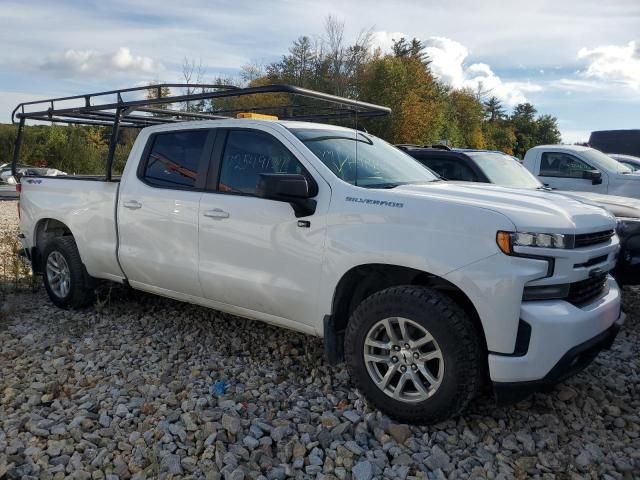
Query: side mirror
x: 286, y: 187
x: 594, y: 175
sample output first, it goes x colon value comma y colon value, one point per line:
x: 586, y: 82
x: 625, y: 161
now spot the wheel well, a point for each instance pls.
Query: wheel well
x: 363, y: 281
x: 46, y: 230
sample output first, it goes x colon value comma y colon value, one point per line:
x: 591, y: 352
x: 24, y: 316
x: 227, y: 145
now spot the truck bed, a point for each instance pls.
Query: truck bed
x: 87, y: 206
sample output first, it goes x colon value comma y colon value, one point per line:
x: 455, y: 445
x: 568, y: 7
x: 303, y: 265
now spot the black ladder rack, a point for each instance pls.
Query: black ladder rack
x: 109, y: 108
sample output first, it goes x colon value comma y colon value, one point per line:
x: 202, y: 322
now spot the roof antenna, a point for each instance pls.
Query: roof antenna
x: 356, y: 135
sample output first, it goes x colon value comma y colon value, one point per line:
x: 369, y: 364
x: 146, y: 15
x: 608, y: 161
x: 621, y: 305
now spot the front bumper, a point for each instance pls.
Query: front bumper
x: 557, y: 327
x: 572, y: 362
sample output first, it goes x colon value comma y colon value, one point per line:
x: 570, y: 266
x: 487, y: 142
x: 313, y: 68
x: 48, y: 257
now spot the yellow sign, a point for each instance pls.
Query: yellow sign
x: 256, y: 116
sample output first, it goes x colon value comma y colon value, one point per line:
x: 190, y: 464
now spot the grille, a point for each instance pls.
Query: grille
x: 585, y: 290
x: 586, y: 239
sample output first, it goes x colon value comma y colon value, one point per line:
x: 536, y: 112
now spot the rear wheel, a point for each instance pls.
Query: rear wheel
x: 414, y: 353
x: 65, y: 277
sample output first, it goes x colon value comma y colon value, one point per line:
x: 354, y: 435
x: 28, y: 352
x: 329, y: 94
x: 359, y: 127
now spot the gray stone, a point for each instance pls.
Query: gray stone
x: 122, y: 410
x: 352, y: 416
x: 104, y: 420
x: 250, y: 442
x: 438, y: 459
x: 277, y: 473
x: 171, y: 464
x: 354, y: 447
x: 279, y: 433
x: 231, y: 423
x: 402, y: 459
x: 237, y: 474
x: 399, y: 432
x: 189, y: 424
x: 363, y: 471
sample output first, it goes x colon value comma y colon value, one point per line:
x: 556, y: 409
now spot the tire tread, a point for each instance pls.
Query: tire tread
x: 467, y: 351
x: 82, y: 284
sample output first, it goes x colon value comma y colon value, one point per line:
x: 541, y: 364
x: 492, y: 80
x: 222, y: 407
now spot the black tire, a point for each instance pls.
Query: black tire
x: 457, y: 338
x: 82, y: 286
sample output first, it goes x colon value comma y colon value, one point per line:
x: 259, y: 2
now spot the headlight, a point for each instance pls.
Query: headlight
x: 627, y: 223
x: 507, y: 240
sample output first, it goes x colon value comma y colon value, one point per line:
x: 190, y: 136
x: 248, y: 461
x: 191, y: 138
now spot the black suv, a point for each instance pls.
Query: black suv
x: 489, y: 166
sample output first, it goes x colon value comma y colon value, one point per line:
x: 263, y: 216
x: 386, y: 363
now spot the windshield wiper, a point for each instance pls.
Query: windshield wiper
x: 397, y: 184
x: 382, y: 185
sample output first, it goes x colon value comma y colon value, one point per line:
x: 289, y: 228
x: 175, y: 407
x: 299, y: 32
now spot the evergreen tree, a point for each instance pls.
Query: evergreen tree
x: 547, y: 131
x: 493, y: 109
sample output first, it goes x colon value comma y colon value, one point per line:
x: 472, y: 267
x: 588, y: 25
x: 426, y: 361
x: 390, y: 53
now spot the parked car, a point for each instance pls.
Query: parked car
x: 424, y: 287
x: 28, y: 171
x: 582, y: 169
x: 616, y: 141
x: 628, y: 160
x: 5, y: 172
x: 493, y: 167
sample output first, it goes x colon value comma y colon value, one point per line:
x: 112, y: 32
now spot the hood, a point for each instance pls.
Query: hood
x: 529, y: 210
x: 618, y: 206
x: 631, y: 177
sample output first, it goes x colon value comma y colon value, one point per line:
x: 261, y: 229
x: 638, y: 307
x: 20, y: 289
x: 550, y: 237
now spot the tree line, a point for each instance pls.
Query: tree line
x: 425, y: 110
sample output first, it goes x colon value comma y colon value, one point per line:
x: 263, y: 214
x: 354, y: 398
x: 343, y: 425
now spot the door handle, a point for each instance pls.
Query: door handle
x: 132, y: 205
x: 217, y: 213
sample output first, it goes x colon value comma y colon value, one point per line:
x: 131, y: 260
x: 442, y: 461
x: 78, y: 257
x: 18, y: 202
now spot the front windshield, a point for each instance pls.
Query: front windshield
x: 503, y: 170
x: 604, y: 161
x: 362, y: 159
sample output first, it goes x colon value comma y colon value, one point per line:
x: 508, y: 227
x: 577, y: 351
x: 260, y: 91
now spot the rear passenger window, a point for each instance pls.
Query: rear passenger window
x: 248, y: 154
x: 174, y: 158
x: 449, y: 169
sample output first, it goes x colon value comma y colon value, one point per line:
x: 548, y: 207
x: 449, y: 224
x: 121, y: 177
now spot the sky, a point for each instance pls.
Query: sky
x: 578, y: 60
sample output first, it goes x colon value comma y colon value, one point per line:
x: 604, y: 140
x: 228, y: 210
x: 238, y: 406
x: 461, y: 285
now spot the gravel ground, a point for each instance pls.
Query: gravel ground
x: 124, y: 390
x: 8, y: 232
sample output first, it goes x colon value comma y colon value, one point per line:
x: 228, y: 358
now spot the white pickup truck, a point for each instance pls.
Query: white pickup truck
x: 582, y: 169
x: 427, y: 289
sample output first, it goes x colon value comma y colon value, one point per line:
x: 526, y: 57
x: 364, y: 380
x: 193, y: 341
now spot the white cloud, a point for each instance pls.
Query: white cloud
x: 448, y: 65
x: 384, y: 40
x: 613, y: 63
x: 578, y: 85
x: 88, y: 62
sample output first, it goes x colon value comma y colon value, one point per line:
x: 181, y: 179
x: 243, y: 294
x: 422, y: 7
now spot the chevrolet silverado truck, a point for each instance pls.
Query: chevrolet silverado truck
x: 428, y: 290
x: 582, y: 169
x: 492, y: 167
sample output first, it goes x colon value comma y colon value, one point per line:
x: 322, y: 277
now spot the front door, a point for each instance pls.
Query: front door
x: 254, y: 253
x: 564, y: 171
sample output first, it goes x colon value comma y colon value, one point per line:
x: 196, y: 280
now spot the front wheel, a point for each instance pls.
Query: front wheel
x: 65, y: 277
x: 414, y: 353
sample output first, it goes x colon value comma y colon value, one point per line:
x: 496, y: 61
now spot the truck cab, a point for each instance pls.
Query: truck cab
x: 582, y: 169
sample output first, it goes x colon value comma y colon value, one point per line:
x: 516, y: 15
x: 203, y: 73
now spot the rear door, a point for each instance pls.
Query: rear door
x: 158, y: 212
x: 254, y: 253
x: 565, y: 171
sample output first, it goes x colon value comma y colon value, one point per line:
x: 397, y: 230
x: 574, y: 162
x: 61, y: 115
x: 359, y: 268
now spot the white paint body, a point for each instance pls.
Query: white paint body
x: 613, y: 183
x: 259, y: 263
